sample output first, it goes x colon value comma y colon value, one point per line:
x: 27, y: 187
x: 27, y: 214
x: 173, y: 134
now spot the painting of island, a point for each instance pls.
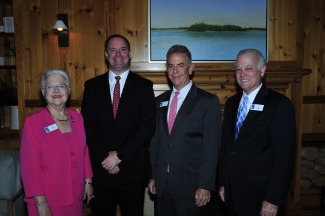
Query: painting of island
x: 213, y: 30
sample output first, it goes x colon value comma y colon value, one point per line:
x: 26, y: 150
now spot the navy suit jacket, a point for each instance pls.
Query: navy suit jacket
x: 258, y: 165
x: 192, y: 148
x: 129, y: 133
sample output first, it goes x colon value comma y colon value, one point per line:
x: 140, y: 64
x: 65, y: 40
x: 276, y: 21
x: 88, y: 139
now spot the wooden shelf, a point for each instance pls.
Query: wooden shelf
x: 6, y: 2
x: 9, y: 138
x: 7, y: 66
x: 9, y: 134
x: 310, y: 201
x: 317, y: 99
x: 11, y: 34
x: 313, y: 137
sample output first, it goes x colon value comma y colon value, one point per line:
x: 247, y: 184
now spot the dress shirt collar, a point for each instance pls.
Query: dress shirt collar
x: 251, y: 96
x: 111, y: 76
x: 181, y: 97
x: 184, y: 91
x: 112, y: 82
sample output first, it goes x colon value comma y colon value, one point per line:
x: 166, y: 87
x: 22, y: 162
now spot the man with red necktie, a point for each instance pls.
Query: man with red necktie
x: 119, y: 114
x: 184, y: 149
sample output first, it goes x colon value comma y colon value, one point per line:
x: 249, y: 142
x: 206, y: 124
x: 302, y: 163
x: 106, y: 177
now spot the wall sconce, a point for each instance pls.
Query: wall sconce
x: 61, y: 27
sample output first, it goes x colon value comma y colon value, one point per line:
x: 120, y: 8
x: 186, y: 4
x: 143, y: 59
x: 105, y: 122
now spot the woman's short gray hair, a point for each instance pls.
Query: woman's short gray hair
x: 48, y: 73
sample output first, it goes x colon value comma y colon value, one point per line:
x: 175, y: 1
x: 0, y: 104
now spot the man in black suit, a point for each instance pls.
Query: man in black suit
x: 119, y: 115
x: 184, y: 154
x: 257, y: 154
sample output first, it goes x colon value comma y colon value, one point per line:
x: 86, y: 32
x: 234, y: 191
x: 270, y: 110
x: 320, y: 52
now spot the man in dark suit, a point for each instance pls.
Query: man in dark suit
x: 257, y: 151
x: 119, y: 115
x: 184, y: 150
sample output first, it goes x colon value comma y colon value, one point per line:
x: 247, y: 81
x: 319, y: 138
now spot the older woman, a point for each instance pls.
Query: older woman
x: 55, y: 165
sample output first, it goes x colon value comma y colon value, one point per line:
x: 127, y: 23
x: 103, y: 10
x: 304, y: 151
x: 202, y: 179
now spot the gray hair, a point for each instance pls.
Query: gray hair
x: 179, y: 49
x: 48, y: 73
x: 258, y: 54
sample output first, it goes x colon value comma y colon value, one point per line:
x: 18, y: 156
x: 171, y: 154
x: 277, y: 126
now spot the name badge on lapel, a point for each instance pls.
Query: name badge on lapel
x: 163, y: 104
x: 51, y: 128
x: 257, y: 107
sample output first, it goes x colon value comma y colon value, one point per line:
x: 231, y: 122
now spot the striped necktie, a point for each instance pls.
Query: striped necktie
x: 241, y: 115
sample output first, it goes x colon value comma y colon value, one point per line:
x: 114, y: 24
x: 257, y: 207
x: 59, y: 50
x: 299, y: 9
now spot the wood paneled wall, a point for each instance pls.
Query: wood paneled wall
x: 295, y: 40
x: 313, y: 57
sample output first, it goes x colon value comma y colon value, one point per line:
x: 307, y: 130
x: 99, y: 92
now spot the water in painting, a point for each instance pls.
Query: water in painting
x: 213, y: 30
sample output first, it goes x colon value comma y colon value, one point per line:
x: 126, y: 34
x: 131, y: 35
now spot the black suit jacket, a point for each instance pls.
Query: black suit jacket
x: 192, y: 148
x: 129, y: 133
x: 258, y: 165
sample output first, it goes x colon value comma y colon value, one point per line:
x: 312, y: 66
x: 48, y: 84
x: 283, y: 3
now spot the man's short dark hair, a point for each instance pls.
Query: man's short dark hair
x: 179, y: 49
x: 117, y: 36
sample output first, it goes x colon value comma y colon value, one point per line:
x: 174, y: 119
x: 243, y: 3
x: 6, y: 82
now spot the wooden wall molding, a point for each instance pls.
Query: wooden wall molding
x: 216, y: 80
x: 316, y: 99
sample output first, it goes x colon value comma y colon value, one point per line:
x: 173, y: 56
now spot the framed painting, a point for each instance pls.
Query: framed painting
x: 213, y: 30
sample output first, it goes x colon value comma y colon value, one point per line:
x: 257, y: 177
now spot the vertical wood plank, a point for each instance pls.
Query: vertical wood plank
x: 314, y: 58
x: 132, y: 22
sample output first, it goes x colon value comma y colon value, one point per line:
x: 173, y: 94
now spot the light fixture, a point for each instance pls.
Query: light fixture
x: 61, y: 27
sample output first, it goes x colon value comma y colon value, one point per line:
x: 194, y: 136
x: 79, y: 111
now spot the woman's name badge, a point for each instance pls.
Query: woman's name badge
x: 257, y: 107
x: 51, y: 128
x: 164, y: 103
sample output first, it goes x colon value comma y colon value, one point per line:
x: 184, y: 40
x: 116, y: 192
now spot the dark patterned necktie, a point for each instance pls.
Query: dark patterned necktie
x: 116, y: 95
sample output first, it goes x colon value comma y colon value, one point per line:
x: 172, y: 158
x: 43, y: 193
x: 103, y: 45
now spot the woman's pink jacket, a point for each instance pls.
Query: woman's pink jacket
x: 46, y: 161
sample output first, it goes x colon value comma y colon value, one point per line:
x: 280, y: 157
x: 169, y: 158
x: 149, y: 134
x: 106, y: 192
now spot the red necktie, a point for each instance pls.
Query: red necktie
x: 172, y: 116
x: 172, y: 112
x: 116, y: 96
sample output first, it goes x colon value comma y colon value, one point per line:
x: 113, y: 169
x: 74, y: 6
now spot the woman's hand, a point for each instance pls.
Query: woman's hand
x: 43, y: 209
x: 89, y: 191
x: 42, y: 206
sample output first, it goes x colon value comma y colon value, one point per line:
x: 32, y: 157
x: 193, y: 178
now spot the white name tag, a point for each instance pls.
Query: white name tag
x: 257, y: 107
x: 51, y: 128
x: 164, y: 103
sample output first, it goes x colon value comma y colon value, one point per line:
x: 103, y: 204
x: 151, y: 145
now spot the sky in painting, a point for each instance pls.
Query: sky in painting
x: 183, y: 13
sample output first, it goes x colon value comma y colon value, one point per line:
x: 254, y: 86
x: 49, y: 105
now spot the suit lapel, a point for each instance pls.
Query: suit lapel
x: 234, y: 114
x: 129, y: 87
x: 104, y: 94
x: 186, y: 107
x: 259, y: 99
x: 164, y: 111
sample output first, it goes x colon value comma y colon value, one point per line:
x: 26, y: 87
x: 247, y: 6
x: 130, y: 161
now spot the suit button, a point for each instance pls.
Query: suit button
x: 233, y: 153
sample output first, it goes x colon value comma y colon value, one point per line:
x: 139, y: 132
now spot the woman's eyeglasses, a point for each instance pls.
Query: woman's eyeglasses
x: 61, y: 87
